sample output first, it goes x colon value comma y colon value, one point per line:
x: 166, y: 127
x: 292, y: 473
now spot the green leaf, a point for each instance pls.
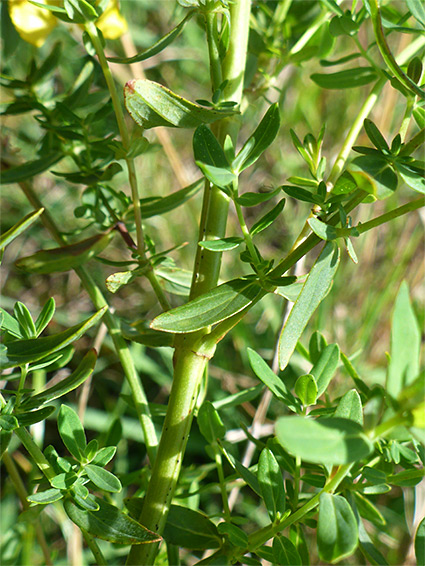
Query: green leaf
x: 284, y: 552
x: 45, y: 315
x: 109, y: 523
x: 64, y: 258
x: 157, y: 47
x: 210, y: 157
x: 102, y: 478
x: 244, y: 396
x: 253, y: 199
x: 64, y: 481
x: 403, y: 367
x: 350, y: 407
x: 104, y: 455
x: 151, y: 104
x: 210, y: 423
x: 29, y: 169
x: 236, y: 536
x: 190, y: 529
x: 270, y: 379
x: 72, y: 432
x: 301, y: 194
x: 381, y: 176
x: 223, y: 245
x: 45, y: 497
x: 331, y: 441
x: 368, y: 510
x: 159, y: 206
x: 324, y: 231
x: 316, y: 346
x: 306, y: 389
x: 260, y: 140
x: 420, y: 543
x: 19, y: 227
x: 28, y: 419
x: 375, y: 136
x: 77, y: 377
x: 268, y: 218
x: 413, y: 178
x: 218, y: 304
x: 337, y: 533
x: 8, y: 423
x: 21, y: 352
x: 10, y: 324
x: 417, y: 10
x: 270, y: 479
x: 315, y: 289
x: 23, y: 316
x: 325, y: 367
x: 351, y: 78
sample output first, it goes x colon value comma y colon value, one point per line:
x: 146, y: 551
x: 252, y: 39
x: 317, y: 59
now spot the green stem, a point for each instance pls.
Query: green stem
x: 387, y: 56
x: 35, y: 452
x: 244, y: 228
x: 189, y: 363
x: 383, y: 218
x: 222, y: 481
x: 94, y: 547
x: 212, y: 40
x: 132, y: 176
x: 24, y: 372
x: 260, y: 537
x: 112, y: 323
x: 22, y: 494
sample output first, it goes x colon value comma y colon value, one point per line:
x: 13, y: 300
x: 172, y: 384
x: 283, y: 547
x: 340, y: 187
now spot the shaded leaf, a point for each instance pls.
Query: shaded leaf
x: 19, y: 227
x: 350, y: 78
x: 325, y: 367
x: 151, y: 104
x: 29, y: 169
x: 210, y: 423
x: 109, y: 523
x: 253, y: 199
x: 271, y: 484
x: 223, y: 245
x: 350, y: 407
x: 268, y: 218
x: 284, y: 552
x: 103, y: 479
x: 190, y: 529
x: 159, y: 206
x: 45, y: 497
x: 64, y: 258
x: 72, y: 432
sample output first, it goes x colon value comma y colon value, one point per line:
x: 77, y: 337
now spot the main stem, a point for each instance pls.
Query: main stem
x: 189, y: 361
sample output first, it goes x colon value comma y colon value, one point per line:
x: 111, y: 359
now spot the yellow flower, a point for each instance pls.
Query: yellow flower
x: 34, y: 24
x: 111, y: 23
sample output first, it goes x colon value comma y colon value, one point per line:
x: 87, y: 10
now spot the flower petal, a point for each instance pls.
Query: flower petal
x: 32, y: 23
x: 111, y: 22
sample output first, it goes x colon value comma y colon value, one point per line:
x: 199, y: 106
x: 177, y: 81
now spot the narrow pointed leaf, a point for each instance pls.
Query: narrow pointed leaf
x: 325, y: 367
x: 21, y: 352
x: 77, y: 377
x: 18, y: 228
x: 350, y: 78
x: 268, y: 218
x: 350, y: 407
x: 157, y: 47
x: 315, y: 289
x: 29, y: 169
x: 270, y: 479
x: 32, y: 417
x: 253, y: 199
x: 420, y: 543
x: 405, y: 344
x: 270, y: 379
x: 151, y: 104
x: 72, y: 432
x: 45, y: 315
x: 210, y: 423
x: 109, y: 523
x: 260, y: 140
x: 64, y: 258
x: 337, y: 533
x: 212, y: 307
x: 159, y: 206
x: 332, y: 441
